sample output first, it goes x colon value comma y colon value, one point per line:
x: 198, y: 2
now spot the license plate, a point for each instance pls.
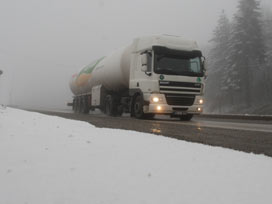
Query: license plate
x: 179, y: 113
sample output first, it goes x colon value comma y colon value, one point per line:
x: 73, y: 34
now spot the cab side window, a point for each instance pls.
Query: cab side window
x: 149, y: 62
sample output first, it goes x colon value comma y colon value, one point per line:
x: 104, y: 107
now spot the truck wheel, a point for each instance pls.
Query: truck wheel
x: 187, y: 117
x: 76, y: 105
x: 119, y: 110
x: 149, y: 116
x: 109, y: 105
x: 85, y: 105
x: 138, y: 107
x: 80, y: 107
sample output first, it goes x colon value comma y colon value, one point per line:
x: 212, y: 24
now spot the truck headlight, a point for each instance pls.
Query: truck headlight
x: 201, y: 101
x: 155, y: 99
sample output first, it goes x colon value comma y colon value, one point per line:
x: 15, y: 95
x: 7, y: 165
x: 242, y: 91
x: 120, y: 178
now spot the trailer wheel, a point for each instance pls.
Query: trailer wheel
x: 187, y: 117
x: 138, y: 105
x: 109, y: 105
x: 112, y: 106
x: 119, y: 110
x: 76, y: 105
x: 80, y: 107
x: 85, y: 106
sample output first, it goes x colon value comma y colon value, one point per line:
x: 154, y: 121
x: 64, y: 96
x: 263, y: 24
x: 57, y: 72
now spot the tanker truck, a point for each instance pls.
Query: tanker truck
x: 159, y: 74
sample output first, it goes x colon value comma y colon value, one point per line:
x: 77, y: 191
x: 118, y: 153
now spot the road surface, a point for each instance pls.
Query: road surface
x: 244, y: 135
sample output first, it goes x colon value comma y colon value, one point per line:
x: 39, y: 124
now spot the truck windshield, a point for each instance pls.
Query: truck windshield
x: 177, y: 65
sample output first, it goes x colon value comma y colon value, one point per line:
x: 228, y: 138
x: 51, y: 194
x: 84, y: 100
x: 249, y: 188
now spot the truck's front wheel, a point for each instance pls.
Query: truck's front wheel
x: 138, y: 107
x: 187, y: 117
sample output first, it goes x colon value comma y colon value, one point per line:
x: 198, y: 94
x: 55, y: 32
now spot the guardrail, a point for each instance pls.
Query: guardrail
x: 237, y: 116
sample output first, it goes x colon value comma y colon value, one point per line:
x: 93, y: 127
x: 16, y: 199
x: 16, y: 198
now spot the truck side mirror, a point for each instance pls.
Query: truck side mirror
x: 144, y: 62
x: 204, y: 67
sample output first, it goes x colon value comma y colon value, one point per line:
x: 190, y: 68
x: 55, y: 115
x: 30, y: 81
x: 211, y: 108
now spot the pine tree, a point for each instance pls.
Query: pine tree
x: 268, y: 35
x: 217, y: 85
x: 247, y: 49
x: 268, y: 43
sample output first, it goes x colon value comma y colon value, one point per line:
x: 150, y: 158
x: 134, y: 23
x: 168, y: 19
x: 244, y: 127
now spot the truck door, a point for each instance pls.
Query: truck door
x: 141, y: 76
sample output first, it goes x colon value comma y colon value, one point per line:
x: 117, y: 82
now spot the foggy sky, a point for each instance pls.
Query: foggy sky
x: 42, y: 43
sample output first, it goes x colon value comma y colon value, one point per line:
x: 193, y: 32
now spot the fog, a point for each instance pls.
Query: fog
x: 44, y: 42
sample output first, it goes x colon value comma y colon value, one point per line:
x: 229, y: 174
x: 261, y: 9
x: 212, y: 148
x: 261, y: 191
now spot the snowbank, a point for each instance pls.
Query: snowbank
x: 47, y: 159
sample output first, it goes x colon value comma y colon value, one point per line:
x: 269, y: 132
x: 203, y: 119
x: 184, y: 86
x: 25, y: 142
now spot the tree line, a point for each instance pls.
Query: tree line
x: 240, y: 62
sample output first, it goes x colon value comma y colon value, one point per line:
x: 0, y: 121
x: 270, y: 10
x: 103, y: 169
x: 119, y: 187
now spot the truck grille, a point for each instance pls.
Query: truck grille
x: 180, y: 100
x: 180, y: 87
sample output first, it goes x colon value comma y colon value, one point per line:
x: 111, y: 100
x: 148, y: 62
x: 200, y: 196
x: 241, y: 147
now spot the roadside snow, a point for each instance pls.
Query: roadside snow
x: 47, y: 159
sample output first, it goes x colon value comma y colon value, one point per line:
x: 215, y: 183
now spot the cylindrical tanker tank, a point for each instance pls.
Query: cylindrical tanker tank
x: 112, y: 72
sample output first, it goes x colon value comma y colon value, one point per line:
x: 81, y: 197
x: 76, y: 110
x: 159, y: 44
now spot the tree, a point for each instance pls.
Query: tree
x: 218, y: 65
x: 247, y: 48
x: 268, y: 42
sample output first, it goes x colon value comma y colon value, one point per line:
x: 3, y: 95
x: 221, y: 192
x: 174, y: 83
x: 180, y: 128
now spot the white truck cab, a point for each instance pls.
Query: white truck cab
x: 169, y: 71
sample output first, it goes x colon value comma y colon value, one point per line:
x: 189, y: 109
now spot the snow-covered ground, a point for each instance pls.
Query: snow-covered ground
x: 49, y: 160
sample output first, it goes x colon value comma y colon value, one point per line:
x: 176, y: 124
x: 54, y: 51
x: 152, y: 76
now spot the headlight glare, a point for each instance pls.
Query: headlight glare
x: 155, y: 99
x: 159, y: 108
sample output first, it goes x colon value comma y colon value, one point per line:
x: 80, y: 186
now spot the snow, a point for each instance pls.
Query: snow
x: 46, y: 160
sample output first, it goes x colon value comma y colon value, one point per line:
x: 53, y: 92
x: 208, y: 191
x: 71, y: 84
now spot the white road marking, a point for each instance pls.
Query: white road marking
x: 226, y: 125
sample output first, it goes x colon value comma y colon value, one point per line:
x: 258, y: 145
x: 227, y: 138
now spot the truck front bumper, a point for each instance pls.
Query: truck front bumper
x: 161, y: 107
x: 167, y: 109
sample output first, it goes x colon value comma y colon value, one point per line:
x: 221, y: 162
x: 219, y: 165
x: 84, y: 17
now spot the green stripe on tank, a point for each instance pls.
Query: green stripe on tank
x: 89, y: 68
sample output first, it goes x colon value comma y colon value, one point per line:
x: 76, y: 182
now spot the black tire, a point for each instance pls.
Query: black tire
x: 76, y: 105
x: 80, y: 105
x: 187, y: 117
x: 109, y: 106
x: 149, y: 116
x: 138, y: 106
x: 85, y: 105
x: 119, y: 110
x: 112, y: 106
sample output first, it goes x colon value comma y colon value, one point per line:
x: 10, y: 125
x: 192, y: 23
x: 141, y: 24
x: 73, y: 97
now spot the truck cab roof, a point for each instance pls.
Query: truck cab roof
x: 168, y: 41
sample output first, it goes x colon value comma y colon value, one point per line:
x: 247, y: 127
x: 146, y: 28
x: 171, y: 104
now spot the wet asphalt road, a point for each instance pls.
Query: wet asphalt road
x: 243, y: 135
